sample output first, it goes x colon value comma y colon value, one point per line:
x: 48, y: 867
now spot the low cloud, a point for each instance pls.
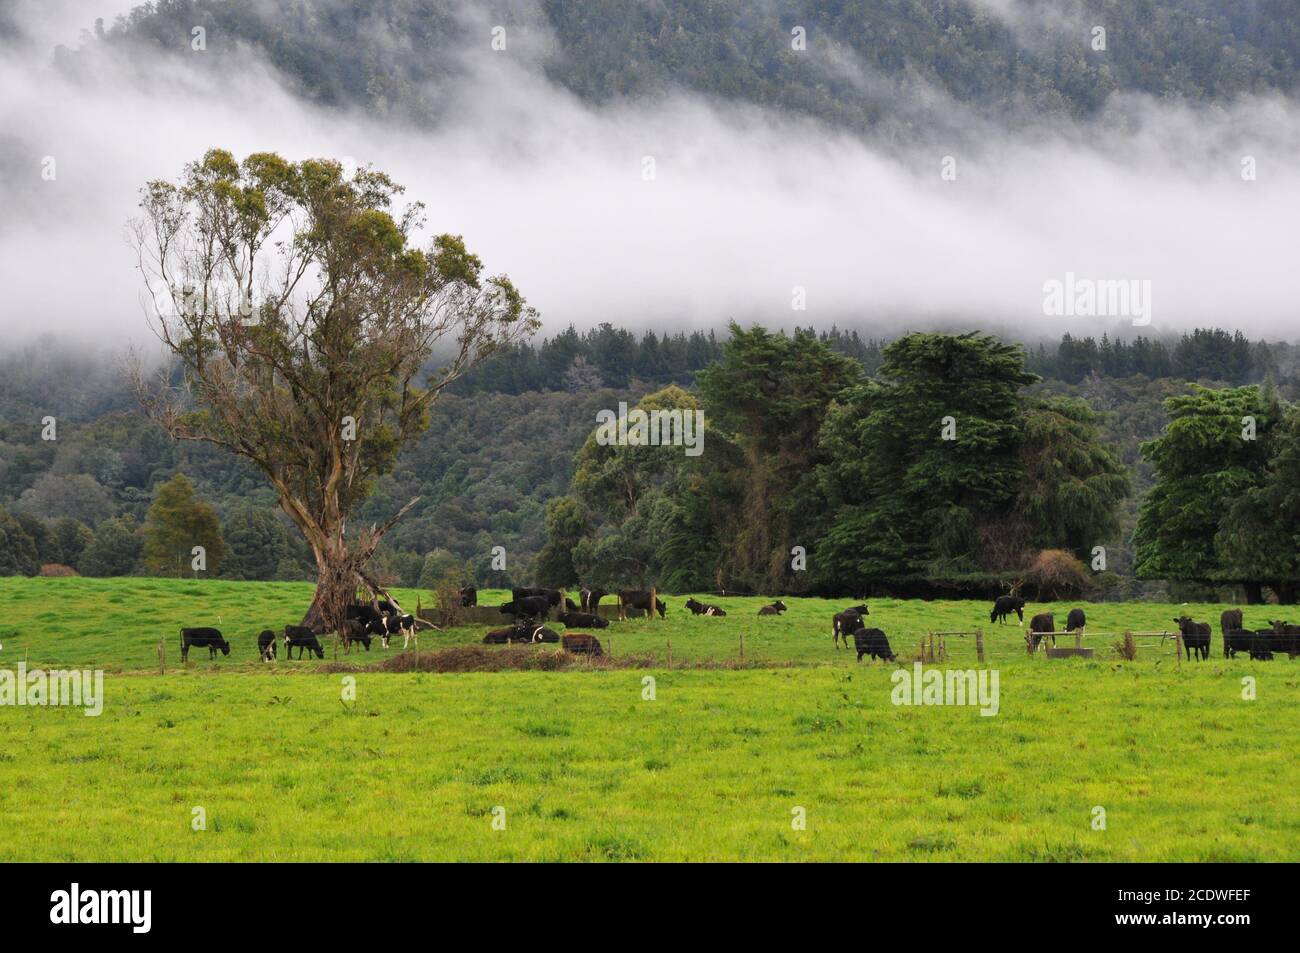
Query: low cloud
x: 745, y: 205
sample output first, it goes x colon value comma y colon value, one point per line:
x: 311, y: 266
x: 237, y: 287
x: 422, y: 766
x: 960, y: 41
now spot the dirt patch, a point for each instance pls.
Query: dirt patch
x: 482, y: 658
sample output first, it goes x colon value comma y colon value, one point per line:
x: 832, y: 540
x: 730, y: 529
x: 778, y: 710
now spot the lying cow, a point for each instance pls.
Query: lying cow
x: 776, y: 608
x: 703, y: 608
x: 1196, y: 638
x: 1004, y: 606
x: 847, y: 622
x: 266, y: 645
x: 530, y: 608
x: 204, y: 638
x: 584, y: 620
x: 520, y: 634
x: 590, y: 599
x: 1041, y: 626
x: 639, y: 599
x: 873, y: 642
x: 301, y: 637
x: 579, y: 643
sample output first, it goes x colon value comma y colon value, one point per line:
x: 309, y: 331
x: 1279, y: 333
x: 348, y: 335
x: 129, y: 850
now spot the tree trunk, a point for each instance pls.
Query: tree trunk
x: 1286, y: 590
x: 1254, y: 593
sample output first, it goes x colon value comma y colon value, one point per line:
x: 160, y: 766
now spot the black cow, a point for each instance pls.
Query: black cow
x: 584, y: 619
x: 591, y: 599
x: 775, y: 608
x: 204, y: 638
x: 1238, y: 640
x: 552, y: 596
x: 1075, y: 621
x: 873, y: 642
x: 1287, y: 637
x: 703, y: 608
x: 1229, y: 620
x: 354, y: 630
x: 1004, y: 606
x: 579, y: 643
x: 1041, y: 625
x: 1196, y: 638
x: 468, y: 596
x: 1261, y: 647
x: 640, y: 599
x: 304, y: 638
x: 570, y: 605
x: 846, y: 622
x: 363, y: 612
x: 527, y: 607
x: 266, y: 645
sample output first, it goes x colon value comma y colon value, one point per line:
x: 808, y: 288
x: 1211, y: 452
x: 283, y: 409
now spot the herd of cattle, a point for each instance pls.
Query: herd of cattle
x: 531, y: 607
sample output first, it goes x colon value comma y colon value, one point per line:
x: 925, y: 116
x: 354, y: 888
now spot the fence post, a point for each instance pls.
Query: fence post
x: 1178, y: 646
x: 979, y: 645
x: 162, y: 655
x: 654, y: 599
x: 742, y: 646
x: 670, y: 653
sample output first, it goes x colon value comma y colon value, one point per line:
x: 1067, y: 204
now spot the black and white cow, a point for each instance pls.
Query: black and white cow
x: 210, y: 639
x: 703, y: 608
x: 589, y: 599
x: 266, y: 645
x: 302, y: 637
x: 846, y: 622
x: 1004, y: 606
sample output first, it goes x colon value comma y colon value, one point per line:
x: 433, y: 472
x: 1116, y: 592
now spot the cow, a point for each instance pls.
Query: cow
x: 775, y: 608
x: 639, y: 599
x: 1196, y: 638
x: 266, y: 645
x: 536, y: 633
x: 873, y: 642
x: 1041, y: 626
x: 1229, y: 619
x: 355, y: 630
x: 590, y: 599
x: 552, y: 596
x: 584, y: 619
x: 1288, y: 637
x: 1004, y: 606
x: 468, y: 596
x: 1075, y: 621
x: 498, y: 636
x: 210, y: 639
x: 1261, y: 647
x: 406, y: 625
x: 570, y: 605
x: 527, y: 607
x: 703, y: 608
x: 579, y: 643
x: 1238, y: 640
x: 304, y: 638
x: 363, y: 612
x: 850, y: 620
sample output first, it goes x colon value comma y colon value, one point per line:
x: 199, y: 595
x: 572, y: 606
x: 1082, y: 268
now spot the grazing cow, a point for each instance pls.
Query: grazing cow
x: 640, y: 599
x: 775, y: 608
x: 204, y: 638
x: 1196, y: 638
x: 703, y: 608
x: 266, y: 645
x: 1004, y: 606
x: 1261, y: 647
x: 527, y: 607
x: 570, y: 605
x: 1075, y: 621
x: 579, y: 643
x: 1041, y: 626
x: 584, y: 619
x: 846, y: 622
x: 1229, y: 619
x: 304, y: 638
x: 874, y: 643
x: 591, y: 599
x: 355, y: 630
x: 1238, y: 640
x: 468, y: 596
x: 1287, y: 637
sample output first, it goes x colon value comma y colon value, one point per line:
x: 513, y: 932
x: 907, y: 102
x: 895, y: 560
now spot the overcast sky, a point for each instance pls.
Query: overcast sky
x: 745, y: 205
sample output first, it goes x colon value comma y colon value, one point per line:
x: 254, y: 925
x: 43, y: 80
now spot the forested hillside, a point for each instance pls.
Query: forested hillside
x: 892, y: 65
x: 503, y: 444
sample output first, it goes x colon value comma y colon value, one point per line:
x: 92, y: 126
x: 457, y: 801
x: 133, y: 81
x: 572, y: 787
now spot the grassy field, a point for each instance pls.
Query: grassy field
x: 582, y: 766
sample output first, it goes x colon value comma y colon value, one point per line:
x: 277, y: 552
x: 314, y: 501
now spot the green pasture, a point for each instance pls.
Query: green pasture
x: 290, y: 762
